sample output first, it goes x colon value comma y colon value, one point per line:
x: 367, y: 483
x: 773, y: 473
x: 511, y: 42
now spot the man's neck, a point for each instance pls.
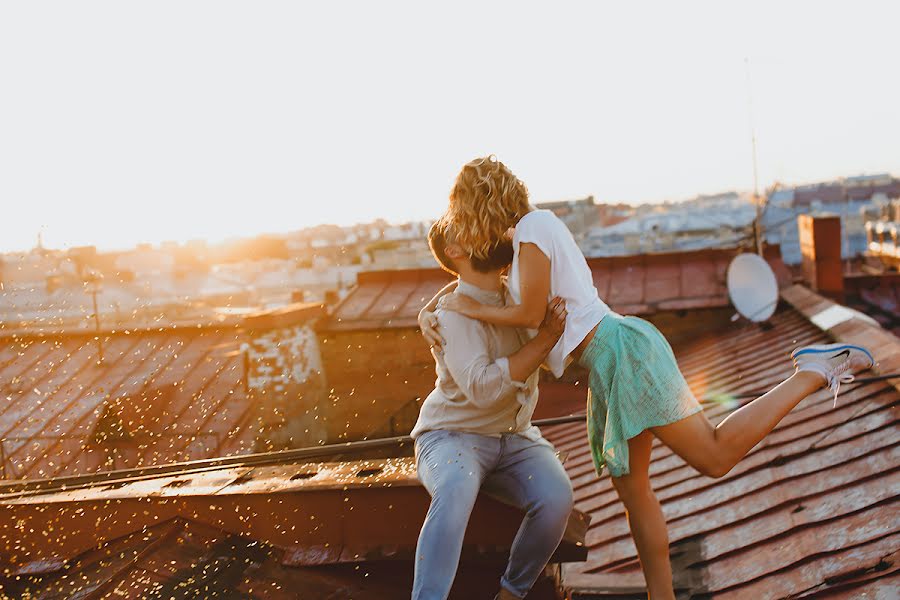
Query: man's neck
x: 489, y: 282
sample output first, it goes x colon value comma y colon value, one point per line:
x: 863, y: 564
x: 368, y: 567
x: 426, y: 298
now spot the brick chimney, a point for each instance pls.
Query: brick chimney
x: 820, y: 245
x: 284, y: 376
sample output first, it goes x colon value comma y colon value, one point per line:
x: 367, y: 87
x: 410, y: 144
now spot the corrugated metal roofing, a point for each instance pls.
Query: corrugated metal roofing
x: 636, y: 285
x: 158, y: 397
x: 810, y: 512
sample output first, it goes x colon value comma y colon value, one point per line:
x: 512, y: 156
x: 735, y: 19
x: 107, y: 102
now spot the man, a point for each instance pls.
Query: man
x: 475, y: 430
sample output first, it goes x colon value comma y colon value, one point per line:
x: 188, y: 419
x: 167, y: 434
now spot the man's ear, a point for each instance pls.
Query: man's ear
x: 455, y: 251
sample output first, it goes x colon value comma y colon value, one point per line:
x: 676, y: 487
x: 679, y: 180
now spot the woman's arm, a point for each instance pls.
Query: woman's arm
x: 447, y: 289
x: 428, y: 322
x: 534, y: 284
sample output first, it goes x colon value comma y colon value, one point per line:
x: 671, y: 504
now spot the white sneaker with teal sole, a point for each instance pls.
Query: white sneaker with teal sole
x: 837, y: 363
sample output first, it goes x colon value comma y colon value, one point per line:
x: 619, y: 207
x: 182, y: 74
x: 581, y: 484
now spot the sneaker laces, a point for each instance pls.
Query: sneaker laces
x: 837, y: 376
x: 833, y: 376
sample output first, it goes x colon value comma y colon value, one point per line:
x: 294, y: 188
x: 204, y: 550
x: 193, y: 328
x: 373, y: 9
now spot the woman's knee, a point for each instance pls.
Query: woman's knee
x: 714, y: 467
x: 633, y: 489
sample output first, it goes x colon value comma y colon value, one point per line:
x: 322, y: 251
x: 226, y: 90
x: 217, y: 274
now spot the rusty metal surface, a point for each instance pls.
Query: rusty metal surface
x: 267, y: 479
x: 317, y: 513
x: 810, y: 511
x: 159, y: 397
x: 187, y: 559
x: 642, y: 284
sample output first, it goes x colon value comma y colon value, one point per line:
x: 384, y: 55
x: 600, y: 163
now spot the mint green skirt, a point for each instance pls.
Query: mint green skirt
x: 635, y: 384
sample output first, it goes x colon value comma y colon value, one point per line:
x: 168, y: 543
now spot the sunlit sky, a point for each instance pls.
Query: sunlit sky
x: 123, y: 122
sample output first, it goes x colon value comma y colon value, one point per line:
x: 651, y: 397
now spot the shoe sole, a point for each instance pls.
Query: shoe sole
x: 832, y: 348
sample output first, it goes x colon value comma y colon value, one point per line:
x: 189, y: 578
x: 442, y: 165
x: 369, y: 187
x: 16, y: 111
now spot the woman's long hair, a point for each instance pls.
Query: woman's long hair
x: 486, y: 200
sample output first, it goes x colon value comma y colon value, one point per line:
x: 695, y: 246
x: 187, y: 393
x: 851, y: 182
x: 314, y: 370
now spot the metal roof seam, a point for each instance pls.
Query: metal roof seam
x: 126, y: 377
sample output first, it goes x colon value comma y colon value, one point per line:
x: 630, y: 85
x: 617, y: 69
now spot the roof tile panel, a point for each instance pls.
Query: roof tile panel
x: 150, y: 381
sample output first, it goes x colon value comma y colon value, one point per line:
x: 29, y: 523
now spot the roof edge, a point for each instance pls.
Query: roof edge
x: 844, y: 324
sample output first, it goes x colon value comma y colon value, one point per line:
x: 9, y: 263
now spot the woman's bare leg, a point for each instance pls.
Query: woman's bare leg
x: 646, y: 520
x: 714, y: 450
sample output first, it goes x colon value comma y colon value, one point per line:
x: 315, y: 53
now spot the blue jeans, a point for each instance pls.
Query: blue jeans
x: 453, y: 466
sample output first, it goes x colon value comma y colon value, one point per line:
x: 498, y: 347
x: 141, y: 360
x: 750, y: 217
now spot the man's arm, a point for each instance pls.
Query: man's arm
x: 485, y: 381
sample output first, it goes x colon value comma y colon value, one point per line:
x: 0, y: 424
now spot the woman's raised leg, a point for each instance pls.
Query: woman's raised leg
x: 645, y: 519
x: 714, y: 450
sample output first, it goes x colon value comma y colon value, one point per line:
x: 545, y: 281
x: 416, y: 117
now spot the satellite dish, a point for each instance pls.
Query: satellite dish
x: 752, y: 287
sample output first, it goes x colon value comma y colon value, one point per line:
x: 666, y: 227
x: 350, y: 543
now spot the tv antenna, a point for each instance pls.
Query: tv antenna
x: 757, y: 224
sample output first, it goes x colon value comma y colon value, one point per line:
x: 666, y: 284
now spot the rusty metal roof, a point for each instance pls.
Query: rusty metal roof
x: 160, y: 396
x: 148, y: 534
x: 637, y: 285
x: 181, y: 558
x: 810, y: 512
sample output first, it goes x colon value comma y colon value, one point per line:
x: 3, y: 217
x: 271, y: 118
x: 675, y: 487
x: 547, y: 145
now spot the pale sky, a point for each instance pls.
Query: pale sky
x: 123, y: 122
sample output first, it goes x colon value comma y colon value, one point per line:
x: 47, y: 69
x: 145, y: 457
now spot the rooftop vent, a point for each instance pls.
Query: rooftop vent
x: 369, y: 472
x: 177, y: 483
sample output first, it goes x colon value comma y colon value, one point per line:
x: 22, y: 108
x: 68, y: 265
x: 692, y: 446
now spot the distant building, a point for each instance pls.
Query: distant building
x: 578, y: 215
x: 725, y: 219
x: 861, y: 188
x: 706, y: 222
x: 854, y: 199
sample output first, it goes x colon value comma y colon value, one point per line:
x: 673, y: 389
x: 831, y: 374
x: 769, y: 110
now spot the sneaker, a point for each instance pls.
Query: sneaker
x: 837, y: 363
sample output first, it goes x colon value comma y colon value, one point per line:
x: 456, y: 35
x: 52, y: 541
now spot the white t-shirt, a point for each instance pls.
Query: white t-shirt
x: 570, y: 279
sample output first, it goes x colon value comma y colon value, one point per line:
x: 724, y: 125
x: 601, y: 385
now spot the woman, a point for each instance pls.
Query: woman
x: 636, y: 390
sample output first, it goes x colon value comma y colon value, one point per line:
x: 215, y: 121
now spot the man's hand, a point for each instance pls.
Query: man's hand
x: 428, y: 323
x: 554, y: 322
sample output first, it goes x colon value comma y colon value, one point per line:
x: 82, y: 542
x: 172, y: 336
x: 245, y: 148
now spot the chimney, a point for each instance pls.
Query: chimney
x: 820, y: 245
x: 284, y: 376
x: 332, y: 297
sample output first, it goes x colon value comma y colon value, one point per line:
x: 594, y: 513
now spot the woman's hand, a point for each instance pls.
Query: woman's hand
x: 462, y: 304
x: 554, y: 323
x: 428, y: 324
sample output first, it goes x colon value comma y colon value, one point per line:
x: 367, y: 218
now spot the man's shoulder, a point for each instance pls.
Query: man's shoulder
x: 452, y: 318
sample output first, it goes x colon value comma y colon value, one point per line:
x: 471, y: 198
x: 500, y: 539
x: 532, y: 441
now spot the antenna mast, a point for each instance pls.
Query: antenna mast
x: 757, y: 223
